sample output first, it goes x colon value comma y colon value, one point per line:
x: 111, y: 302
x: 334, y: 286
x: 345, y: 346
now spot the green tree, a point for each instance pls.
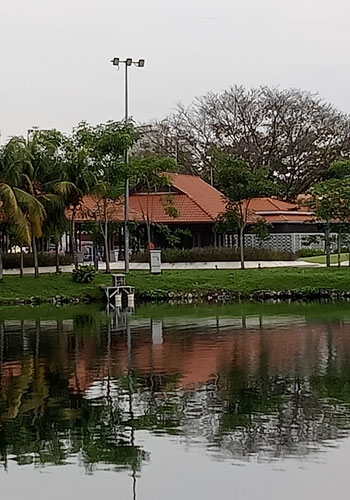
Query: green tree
x: 31, y: 164
x: 107, y: 145
x: 330, y: 201
x: 148, y: 175
x: 241, y: 184
x: 77, y: 179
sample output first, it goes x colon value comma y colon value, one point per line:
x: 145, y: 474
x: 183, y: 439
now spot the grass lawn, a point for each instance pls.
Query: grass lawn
x: 246, y: 281
x: 48, y: 286
x: 321, y: 259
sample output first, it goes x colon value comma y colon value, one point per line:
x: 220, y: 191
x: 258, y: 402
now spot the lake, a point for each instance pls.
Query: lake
x: 242, y: 401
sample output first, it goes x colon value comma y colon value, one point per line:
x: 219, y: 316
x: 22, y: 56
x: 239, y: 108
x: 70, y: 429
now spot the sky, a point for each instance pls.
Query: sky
x: 55, y: 68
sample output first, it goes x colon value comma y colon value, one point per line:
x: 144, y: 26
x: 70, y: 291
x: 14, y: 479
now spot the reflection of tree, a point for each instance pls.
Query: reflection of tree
x: 82, y: 389
x: 51, y: 424
x: 43, y: 422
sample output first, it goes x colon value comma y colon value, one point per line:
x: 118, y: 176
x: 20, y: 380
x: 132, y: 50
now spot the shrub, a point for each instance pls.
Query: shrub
x: 12, y: 260
x: 309, y: 252
x: 211, y: 254
x: 84, y: 274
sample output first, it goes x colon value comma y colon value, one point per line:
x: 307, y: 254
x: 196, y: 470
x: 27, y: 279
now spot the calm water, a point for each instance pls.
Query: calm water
x: 242, y: 402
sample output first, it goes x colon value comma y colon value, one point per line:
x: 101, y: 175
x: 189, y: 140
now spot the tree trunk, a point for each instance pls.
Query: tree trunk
x: 57, y: 256
x: 21, y: 264
x: 241, y: 245
x: 148, y: 229
x: 339, y: 247
x: 327, y: 246
x: 35, y: 258
x: 74, y: 244
x: 106, y: 245
x: 1, y: 266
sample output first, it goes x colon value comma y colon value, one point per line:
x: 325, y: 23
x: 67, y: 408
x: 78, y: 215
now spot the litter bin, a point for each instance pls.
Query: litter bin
x: 156, y: 261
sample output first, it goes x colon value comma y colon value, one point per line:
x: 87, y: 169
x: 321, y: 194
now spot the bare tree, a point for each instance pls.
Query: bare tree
x: 294, y: 133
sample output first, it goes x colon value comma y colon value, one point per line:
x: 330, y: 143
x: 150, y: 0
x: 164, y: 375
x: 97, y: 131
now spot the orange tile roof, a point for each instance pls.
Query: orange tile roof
x: 275, y: 211
x: 203, y: 194
x: 270, y: 204
x: 195, y: 201
x: 154, y: 207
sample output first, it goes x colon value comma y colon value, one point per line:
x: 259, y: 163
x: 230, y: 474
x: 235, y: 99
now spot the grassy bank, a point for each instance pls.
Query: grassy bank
x: 47, y: 287
x: 321, y: 259
x: 243, y: 281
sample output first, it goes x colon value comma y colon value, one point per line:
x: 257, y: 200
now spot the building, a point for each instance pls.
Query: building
x: 192, y: 204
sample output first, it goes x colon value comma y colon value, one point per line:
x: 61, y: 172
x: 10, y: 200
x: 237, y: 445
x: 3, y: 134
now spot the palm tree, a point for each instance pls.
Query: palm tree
x: 77, y: 179
x: 28, y: 165
x: 19, y: 209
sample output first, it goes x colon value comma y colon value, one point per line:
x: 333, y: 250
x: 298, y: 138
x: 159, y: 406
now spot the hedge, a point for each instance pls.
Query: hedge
x: 12, y: 260
x: 211, y: 254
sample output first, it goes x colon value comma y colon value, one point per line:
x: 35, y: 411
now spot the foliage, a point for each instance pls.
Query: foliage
x: 148, y: 174
x: 262, y: 230
x: 339, y: 170
x: 309, y: 252
x: 330, y: 201
x: 84, y: 274
x: 241, y: 184
x: 174, y: 237
x: 45, y: 259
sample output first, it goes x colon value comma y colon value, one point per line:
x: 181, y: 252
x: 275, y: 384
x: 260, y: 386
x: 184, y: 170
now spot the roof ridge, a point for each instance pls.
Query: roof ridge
x: 191, y: 197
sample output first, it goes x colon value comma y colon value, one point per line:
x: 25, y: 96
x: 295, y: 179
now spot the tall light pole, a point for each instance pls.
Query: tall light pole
x: 140, y: 64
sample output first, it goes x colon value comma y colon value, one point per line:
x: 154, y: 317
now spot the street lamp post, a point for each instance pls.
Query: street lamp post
x: 140, y: 64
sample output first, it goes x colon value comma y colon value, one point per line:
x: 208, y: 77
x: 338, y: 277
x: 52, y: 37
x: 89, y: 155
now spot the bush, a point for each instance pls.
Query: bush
x: 84, y: 274
x: 211, y: 254
x: 12, y: 260
x: 309, y: 252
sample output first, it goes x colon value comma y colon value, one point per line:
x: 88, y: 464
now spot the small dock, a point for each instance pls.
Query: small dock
x: 118, y: 293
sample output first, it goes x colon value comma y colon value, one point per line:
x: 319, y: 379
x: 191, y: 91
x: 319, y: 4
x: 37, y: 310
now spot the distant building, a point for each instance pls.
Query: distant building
x: 191, y: 203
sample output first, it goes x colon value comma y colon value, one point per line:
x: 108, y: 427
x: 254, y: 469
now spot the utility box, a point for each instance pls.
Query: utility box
x: 156, y: 261
x: 113, y: 255
x: 80, y: 257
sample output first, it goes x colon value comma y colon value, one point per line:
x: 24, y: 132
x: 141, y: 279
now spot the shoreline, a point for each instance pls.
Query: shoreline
x: 222, y: 286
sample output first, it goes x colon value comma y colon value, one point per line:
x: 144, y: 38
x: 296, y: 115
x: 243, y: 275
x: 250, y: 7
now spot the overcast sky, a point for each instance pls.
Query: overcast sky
x: 55, y: 69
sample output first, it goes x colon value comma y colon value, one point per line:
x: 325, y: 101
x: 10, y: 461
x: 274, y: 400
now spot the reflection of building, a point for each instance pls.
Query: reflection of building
x: 255, y: 385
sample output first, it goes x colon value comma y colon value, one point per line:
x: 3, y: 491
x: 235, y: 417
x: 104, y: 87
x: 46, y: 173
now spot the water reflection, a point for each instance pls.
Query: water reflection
x: 238, y: 387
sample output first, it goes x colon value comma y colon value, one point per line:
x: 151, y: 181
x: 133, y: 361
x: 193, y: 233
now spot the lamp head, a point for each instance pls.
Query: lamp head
x: 115, y: 61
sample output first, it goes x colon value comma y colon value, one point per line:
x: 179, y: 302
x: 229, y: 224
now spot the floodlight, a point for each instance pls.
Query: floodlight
x: 115, y: 61
x: 141, y: 63
x: 129, y: 62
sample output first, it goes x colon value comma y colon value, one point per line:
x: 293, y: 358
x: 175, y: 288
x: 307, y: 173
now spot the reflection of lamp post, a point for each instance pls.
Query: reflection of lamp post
x: 140, y: 64
x: 131, y: 391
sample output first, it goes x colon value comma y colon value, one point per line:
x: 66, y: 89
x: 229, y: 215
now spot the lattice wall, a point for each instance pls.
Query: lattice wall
x: 287, y: 242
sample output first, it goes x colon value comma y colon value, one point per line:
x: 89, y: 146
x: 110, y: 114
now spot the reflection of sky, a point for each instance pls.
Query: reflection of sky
x: 176, y: 472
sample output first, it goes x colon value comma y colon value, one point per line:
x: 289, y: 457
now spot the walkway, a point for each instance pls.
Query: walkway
x: 135, y: 266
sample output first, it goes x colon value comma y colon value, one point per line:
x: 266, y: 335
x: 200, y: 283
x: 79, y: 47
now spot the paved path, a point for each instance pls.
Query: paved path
x: 134, y: 266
